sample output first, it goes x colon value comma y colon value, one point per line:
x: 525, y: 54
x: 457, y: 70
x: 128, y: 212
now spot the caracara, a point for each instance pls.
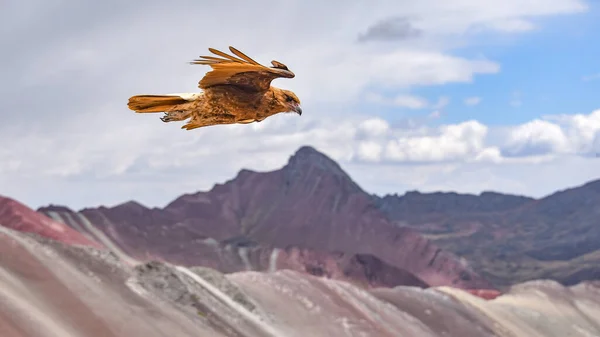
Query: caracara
x: 236, y: 90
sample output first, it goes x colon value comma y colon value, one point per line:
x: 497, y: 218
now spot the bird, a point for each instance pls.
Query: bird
x: 236, y: 91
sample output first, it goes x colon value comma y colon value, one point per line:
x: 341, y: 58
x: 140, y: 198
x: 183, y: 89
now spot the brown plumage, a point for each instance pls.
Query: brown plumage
x: 237, y: 90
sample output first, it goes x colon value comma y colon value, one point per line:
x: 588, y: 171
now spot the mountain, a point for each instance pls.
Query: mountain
x: 304, y: 251
x: 17, y: 216
x: 257, y: 221
x: 312, y: 205
x: 74, y: 290
x: 507, y: 238
x: 252, y: 221
x: 416, y: 205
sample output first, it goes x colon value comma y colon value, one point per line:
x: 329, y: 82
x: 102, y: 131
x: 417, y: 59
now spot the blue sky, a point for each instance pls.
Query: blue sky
x: 542, y: 68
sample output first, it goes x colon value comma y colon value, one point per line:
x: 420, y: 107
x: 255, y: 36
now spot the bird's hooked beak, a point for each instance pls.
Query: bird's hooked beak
x: 296, y: 108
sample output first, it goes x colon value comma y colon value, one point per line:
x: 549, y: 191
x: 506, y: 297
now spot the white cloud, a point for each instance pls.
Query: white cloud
x: 154, y: 170
x: 489, y: 154
x: 516, y: 177
x: 411, y: 102
x: 402, y: 100
x: 70, y: 137
x: 472, y: 101
x: 369, y: 151
x: 407, y: 101
x: 374, y: 127
x: 537, y: 137
x: 581, y: 130
x: 449, y: 142
x: 562, y: 134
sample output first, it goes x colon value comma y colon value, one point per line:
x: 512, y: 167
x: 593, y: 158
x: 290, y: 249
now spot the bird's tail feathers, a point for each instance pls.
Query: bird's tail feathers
x: 159, y: 103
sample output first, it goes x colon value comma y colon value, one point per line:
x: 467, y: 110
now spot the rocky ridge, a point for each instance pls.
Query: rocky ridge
x: 81, y: 291
x: 310, y: 207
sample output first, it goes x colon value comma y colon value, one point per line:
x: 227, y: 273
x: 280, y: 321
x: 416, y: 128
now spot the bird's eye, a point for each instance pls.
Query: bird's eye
x: 289, y: 98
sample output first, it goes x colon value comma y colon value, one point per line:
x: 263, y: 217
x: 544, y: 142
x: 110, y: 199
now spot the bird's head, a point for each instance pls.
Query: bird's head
x: 289, y: 101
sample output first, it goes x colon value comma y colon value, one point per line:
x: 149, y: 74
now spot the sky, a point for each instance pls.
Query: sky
x: 436, y: 95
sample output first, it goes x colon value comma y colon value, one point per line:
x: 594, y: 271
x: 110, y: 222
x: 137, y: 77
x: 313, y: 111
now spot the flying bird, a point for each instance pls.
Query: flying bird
x: 236, y: 90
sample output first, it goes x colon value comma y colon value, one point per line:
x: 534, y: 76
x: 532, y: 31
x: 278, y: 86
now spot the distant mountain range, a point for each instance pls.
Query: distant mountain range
x: 510, y: 239
x: 311, y: 217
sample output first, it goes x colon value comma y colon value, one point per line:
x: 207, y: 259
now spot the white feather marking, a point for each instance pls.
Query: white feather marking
x: 188, y: 96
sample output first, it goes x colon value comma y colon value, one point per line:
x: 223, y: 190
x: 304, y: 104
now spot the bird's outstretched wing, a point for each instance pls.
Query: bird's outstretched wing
x: 241, y: 71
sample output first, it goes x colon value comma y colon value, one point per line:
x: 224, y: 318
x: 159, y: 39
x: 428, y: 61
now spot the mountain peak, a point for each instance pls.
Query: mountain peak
x: 131, y: 204
x: 308, y: 157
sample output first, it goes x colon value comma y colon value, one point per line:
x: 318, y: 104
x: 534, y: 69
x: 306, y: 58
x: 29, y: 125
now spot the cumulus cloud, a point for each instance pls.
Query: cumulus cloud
x: 562, y: 134
x: 68, y: 137
x: 449, y: 143
x: 154, y: 167
x: 536, y: 137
